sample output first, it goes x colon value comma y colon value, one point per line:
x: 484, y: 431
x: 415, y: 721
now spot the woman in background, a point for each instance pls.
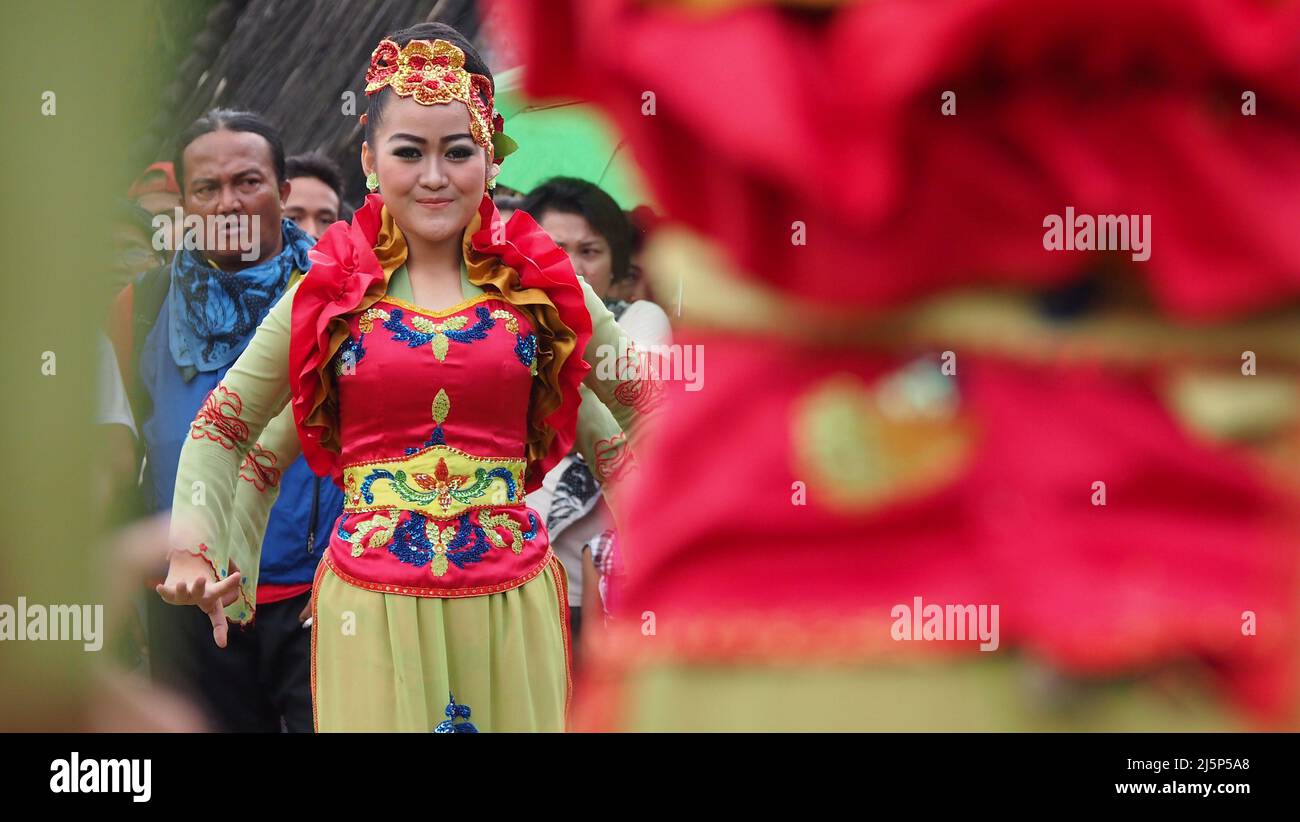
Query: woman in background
x: 588, y: 224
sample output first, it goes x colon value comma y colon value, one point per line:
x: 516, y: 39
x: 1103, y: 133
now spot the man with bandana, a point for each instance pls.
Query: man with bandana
x: 189, y: 322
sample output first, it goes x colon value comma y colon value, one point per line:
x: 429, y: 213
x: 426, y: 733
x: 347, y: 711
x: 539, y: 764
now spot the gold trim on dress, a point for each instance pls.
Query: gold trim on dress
x: 447, y: 312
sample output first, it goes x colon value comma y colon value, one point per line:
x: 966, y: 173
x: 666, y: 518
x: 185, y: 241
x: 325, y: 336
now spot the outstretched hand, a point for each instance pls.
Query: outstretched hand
x: 189, y: 582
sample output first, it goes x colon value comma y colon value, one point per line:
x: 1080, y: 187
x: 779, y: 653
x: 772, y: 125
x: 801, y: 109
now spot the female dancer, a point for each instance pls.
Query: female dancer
x: 433, y: 359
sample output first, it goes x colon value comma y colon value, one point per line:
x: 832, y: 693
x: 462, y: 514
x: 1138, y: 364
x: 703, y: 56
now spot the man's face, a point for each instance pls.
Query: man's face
x: 231, y: 174
x: 312, y: 205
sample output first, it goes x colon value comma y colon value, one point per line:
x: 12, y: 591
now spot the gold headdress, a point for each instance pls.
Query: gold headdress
x: 433, y: 72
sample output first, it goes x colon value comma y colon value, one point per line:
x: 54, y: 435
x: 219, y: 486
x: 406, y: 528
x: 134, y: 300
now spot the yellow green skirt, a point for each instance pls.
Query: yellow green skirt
x: 390, y: 662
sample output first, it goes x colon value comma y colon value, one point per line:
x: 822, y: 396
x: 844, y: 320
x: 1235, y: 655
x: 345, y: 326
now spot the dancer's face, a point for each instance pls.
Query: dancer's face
x: 431, y: 172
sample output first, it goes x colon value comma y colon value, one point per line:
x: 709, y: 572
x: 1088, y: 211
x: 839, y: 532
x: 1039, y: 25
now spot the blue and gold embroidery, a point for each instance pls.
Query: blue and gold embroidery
x: 442, y: 487
x: 455, y: 712
x: 421, y: 541
x: 437, y: 335
x: 350, y: 353
x: 378, y: 528
x: 352, y: 350
x: 525, y: 344
x: 491, y: 522
x: 439, y: 479
x: 526, y: 351
x: 441, y: 408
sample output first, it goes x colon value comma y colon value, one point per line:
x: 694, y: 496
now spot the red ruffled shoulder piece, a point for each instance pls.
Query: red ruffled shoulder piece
x: 523, y: 246
x: 344, y: 273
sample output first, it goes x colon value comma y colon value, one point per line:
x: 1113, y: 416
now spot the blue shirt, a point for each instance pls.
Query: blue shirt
x: 303, y: 515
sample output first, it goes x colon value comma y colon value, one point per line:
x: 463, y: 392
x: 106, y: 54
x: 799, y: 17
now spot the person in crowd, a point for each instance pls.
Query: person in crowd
x: 315, y: 198
x: 507, y: 201
x: 588, y: 224
x: 156, y: 190
x: 636, y: 285
x: 180, y: 328
x: 134, y: 250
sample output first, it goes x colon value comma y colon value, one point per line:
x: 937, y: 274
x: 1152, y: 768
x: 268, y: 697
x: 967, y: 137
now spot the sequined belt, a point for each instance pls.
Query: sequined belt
x: 440, y: 481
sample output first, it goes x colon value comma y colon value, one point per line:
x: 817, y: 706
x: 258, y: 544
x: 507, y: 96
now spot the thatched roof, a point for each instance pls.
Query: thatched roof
x: 292, y: 61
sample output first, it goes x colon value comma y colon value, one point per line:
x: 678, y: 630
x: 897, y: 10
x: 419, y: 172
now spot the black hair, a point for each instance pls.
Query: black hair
x: 569, y: 195
x: 219, y: 119
x: 636, y: 233
x: 424, y: 31
x: 505, y: 198
x: 315, y: 164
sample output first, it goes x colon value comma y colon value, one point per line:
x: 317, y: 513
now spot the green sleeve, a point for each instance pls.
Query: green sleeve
x: 230, y: 446
x: 618, y: 396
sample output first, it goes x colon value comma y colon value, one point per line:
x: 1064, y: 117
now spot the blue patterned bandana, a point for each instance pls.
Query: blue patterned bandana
x: 214, y: 313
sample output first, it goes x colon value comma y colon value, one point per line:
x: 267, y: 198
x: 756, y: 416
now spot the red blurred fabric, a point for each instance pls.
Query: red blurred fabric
x: 1189, y: 538
x: 765, y: 116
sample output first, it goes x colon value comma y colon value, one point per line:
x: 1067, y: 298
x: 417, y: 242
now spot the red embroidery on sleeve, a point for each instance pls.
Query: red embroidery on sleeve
x: 613, y: 458
x: 259, y: 468
x: 218, y: 419
x: 641, y: 389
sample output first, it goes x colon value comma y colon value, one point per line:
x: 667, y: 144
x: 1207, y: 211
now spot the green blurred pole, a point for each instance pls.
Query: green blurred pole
x: 71, y: 98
